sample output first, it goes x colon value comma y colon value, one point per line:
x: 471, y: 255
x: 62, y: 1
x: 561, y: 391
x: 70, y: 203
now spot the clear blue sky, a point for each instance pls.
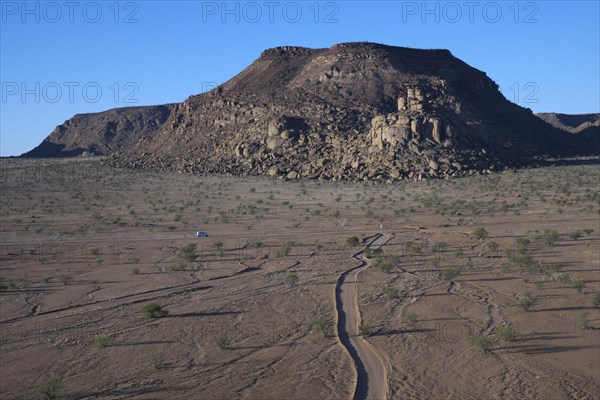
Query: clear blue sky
x: 55, y: 56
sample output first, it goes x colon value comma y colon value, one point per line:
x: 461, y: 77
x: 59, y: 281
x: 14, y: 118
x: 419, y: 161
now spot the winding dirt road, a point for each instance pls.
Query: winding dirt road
x: 371, y: 367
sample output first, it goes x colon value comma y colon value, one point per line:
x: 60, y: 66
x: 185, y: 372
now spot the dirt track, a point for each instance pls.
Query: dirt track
x: 372, y: 368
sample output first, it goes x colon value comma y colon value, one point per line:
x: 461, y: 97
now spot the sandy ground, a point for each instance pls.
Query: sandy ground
x: 84, y: 247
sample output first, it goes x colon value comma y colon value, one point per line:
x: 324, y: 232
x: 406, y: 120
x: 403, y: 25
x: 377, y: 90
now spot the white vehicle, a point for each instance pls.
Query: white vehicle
x: 202, y: 234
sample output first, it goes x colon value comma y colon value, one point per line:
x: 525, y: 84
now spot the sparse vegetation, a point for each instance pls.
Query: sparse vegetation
x: 352, y: 241
x: 480, y: 233
x: 411, y: 318
x: 390, y: 292
x: 507, y: 333
x: 526, y: 301
x: 578, y: 284
x: 188, y: 252
x: 365, y: 331
x: 157, y: 360
x: 291, y: 279
x: 450, y: 274
x: 322, y: 326
x: 51, y: 388
x: 153, y: 310
x: 596, y: 300
x: 583, y: 320
x: 102, y: 340
x: 483, y: 343
x: 224, y: 342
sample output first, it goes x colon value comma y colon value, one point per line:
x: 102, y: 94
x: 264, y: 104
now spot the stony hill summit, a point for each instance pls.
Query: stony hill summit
x: 356, y: 111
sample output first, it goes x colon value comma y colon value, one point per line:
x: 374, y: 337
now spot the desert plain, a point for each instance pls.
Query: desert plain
x: 486, y: 287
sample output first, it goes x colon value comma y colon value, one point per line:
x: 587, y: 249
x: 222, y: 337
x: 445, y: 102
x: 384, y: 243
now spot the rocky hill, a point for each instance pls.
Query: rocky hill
x: 102, y: 133
x: 355, y: 111
x: 574, y: 123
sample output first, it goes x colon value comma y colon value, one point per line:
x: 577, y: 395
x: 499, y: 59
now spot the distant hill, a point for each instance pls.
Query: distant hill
x: 574, y: 123
x: 102, y: 133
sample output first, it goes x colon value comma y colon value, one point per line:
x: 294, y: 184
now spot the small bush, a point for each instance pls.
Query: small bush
x: 153, y: 310
x: 596, y: 300
x: 322, y: 326
x: 483, y: 342
x: 188, y: 252
x: 578, y: 284
x: 291, y: 279
x: 550, y: 236
x: 480, y: 233
x: 352, y: 241
x: 450, y: 274
x: 583, y: 321
x: 564, y: 278
x: 386, y: 264
x: 224, y: 342
x: 51, y: 388
x: 507, y: 333
x: 411, y: 318
x: 102, y: 340
x: 65, y: 279
x: 390, y: 292
x: 157, y: 360
x: 365, y: 331
x: 526, y: 301
x: 575, y: 235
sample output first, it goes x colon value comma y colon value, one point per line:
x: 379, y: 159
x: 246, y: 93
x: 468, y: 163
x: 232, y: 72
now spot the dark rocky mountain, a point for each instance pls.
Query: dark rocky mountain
x: 574, y: 123
x: 356, y: 111
x: 102, y: 133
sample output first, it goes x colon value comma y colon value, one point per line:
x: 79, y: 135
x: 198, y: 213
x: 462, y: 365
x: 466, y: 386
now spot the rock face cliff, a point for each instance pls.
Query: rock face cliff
x: 102, y: 133
x: 355, y: 111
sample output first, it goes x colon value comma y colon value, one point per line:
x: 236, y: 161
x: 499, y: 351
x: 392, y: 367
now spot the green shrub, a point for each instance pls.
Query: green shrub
x: 411, y: 318
x: 483, y: 343
x: 65, y: 279
x: 390, y: 292
x: 596, y: 300
x: 51, y: 388
x: 550, y: 236
x: 365, y: 331
x: 480, y: 233
x: 507, y: 333
x: 578, y: 284
x: 564, y: 278
x: 188, y: 252
x: 583, y: 321
x: 450, y: 274
x: 386, y: 264
x: 575, y: 235
x: 352, y: 241
x: 291, y: 279
x: 153, y: 310
x: 526, y: 301
x: 322, y: 326
x: 103, y: 340
x: 224, y: 342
